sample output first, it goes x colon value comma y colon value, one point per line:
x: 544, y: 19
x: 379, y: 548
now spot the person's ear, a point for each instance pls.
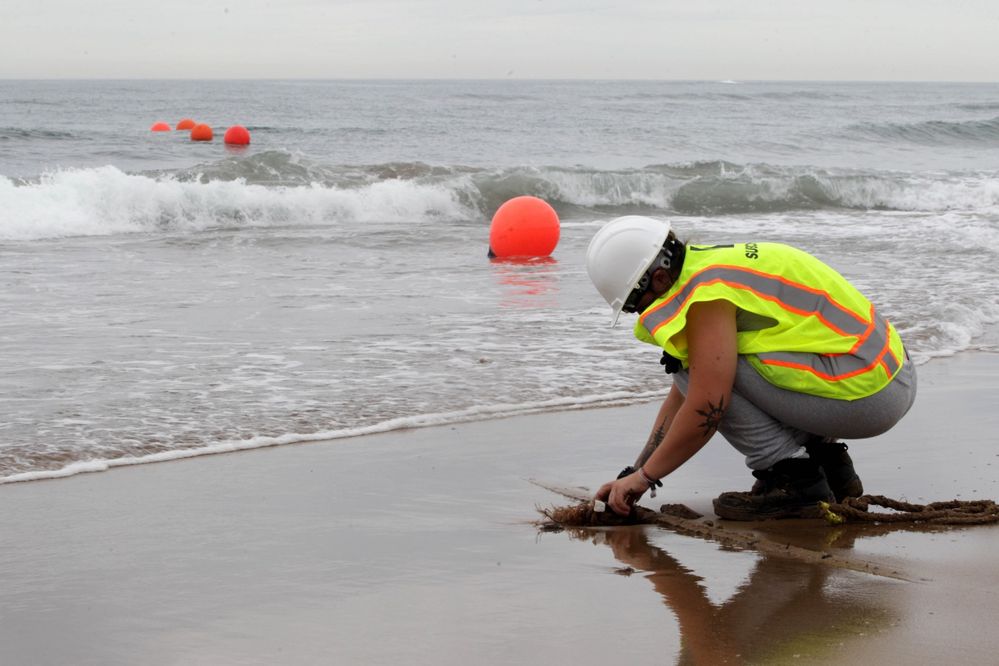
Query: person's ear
x: 660, y: 281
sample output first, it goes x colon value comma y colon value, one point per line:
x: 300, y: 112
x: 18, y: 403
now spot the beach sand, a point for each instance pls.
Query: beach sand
x: 417, y: 547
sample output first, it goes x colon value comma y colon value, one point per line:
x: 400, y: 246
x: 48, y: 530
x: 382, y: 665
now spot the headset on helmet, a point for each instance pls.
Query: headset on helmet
x: 624, y: 253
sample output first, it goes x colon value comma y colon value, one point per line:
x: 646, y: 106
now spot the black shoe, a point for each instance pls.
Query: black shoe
x: 792, y: 488
x: 838, y: 467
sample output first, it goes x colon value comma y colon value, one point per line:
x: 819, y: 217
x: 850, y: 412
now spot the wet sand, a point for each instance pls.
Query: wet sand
x: 417, y: 547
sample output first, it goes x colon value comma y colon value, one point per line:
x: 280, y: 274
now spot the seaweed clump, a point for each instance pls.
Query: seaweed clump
x: 583, y: 514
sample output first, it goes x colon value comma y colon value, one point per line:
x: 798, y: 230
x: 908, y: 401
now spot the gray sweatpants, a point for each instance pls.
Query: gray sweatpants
x: 767, y: 424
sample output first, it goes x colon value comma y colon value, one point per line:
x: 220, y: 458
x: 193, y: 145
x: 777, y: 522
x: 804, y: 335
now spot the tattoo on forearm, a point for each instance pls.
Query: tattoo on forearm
x: 655, y: 439
x: 712, y: 416
x: 657, y: 436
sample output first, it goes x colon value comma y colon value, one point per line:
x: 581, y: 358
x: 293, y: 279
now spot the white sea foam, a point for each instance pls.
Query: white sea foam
x: 977, y: 192
x: 478, y: 413
x: 103, y: 201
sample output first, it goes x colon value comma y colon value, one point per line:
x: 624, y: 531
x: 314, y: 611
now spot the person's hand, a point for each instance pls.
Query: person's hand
x: 622, y: 493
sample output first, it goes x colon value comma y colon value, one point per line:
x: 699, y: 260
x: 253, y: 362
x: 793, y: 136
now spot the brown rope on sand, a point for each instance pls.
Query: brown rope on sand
x: 702, y: 529
x: 952, y: 512
x: 955, y: 512
x: 581, y: 516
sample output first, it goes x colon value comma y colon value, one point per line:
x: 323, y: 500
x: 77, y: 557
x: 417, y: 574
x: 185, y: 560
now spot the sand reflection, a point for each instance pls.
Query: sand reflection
x: 784, y: 610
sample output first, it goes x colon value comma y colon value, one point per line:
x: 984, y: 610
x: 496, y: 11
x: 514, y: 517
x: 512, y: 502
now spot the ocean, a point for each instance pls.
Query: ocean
x: 164, y: 298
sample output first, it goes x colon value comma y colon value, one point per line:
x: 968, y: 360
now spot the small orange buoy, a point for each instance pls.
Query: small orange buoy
x: 524, y: 227
x: 201, y: 132
x: 185, y: 124
x: 237, y: 135
x: 159, y: 127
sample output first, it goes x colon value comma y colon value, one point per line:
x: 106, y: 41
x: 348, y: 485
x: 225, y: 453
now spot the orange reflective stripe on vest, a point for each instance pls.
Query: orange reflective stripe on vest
x: 871, y: 350
x: 797, y: 298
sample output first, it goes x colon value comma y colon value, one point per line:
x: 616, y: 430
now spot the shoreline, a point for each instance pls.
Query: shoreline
x: 470, y: 415
x: 417, y: 546
x: 401, y: 424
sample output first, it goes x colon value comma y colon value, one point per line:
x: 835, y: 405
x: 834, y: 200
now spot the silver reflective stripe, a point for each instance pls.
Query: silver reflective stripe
x: 796, y: 298
x: 875, y: 349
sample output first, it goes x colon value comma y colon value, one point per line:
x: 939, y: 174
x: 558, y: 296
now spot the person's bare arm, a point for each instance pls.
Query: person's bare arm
x: 665, y: 417
x: 711, y: 340
x: 713, y: 355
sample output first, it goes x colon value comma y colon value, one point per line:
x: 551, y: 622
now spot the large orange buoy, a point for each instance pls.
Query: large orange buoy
x: 237, y: 135
x: 159, y: 127
x: 201, y: 132
x: 524, y: 227
x: 186, y: 123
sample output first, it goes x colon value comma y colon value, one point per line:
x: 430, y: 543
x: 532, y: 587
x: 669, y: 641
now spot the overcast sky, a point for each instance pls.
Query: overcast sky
x: 937, y: 40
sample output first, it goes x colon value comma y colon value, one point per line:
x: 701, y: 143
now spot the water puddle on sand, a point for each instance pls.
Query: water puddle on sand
x: 734, y: 606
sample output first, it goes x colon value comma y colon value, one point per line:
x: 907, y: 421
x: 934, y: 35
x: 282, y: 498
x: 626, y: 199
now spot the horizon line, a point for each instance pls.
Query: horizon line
x: 728, y: 81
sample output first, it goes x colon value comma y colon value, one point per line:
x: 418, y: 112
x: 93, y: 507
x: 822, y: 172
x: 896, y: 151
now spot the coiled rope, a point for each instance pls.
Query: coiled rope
x: 952, y: 512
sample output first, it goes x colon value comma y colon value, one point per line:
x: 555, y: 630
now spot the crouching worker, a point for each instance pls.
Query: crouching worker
x: 767, y: 345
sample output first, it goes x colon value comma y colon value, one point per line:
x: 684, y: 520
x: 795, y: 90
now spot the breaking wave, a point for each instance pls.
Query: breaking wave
x: 277, y: 188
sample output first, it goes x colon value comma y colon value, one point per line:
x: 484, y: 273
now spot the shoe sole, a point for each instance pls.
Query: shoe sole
x: 853, y: 488
x: 748, y: 513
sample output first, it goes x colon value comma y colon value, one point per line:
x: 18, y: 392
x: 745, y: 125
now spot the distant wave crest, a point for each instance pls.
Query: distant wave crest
x: 932, y: 132
x: 8, y: 133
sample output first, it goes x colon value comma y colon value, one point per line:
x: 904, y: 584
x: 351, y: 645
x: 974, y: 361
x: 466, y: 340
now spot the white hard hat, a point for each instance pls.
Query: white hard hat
x: 619, y: 255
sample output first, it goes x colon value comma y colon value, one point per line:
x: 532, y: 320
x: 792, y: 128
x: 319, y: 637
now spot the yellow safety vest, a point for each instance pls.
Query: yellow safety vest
x: 800, y: 323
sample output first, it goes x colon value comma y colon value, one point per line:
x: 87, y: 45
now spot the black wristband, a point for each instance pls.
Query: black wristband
x: 626, y: 471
